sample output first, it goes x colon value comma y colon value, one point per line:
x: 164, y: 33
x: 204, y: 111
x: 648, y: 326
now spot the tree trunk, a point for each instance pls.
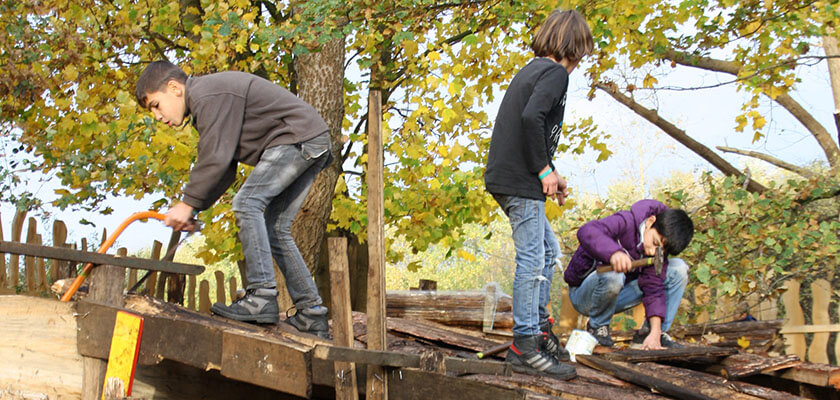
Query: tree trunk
x: 832, y: 50
x: 321, y: 84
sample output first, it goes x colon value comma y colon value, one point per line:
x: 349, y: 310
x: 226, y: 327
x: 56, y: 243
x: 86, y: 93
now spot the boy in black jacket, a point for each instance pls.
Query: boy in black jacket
x: 520, y: 174
x: 244, y: 118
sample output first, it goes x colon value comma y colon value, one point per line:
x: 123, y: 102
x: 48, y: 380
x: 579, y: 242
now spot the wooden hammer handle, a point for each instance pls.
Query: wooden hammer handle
x: 642, y: 262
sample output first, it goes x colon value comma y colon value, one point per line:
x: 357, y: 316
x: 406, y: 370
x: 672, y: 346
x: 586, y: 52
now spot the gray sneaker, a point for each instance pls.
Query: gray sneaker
x: 550, y: 342
x: 312, y: 320
x: 257, y: 306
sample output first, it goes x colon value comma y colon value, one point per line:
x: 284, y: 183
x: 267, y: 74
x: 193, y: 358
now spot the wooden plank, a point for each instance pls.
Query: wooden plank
x: 794, y: 342
x: 822, y: 375
x: 411, y: 384
x: 690, y: 377
x: 232, y: 288
x: 748, y: 364
x: 727, y: 327
x: 346, y: 386
x: 621, y: 371
x: 678, y: 377
x: 204, y: 296
x: 457, y: 366
x: 14, y: 259
x: 458, y: 317
x: 268, y: 363
x: 684, y: 353
x: 572, y: 389
x: 810, y: 328
x: 98, y: 258
x: 122, y: 357
x: 428, y: 331
x: 40, y: 269
x: 377, y: 380
x: 220, y: 286
x: 821, y: 294
x: 567, y: 320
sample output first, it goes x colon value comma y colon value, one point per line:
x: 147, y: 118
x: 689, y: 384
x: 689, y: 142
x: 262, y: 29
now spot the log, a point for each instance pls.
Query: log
x: 457, y: 366
x: 424, y: 299
x: 690, y: 377
x: 456, y: 317
x: 626, y: 372
x: 428, y: 331
x: 682, y: 354
x: 748, y: 364
x: 822, y: 375
x: 556, y: 388
x: 739, y: 326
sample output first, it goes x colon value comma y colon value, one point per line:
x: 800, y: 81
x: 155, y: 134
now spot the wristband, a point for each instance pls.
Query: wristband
x: 544, y: 174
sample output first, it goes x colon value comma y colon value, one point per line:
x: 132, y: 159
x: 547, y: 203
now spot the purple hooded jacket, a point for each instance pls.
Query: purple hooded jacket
x: 601, y: 238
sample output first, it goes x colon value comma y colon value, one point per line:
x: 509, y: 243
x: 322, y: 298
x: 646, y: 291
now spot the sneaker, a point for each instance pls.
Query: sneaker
x: 665, y: 340
x: 312, y: 320
x: 602, y: 334
x: 257, y: 306
x: 525, y: 357
x: 550, y: 342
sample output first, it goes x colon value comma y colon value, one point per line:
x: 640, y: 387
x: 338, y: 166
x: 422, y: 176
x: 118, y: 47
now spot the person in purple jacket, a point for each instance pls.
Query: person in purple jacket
x: 617, y: 240
x: 520, y: 174
x: 243, y: 118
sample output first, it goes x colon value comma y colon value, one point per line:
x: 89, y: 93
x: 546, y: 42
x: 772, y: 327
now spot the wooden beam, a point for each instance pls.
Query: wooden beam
x: 457, y: 366
x: 579, y: 389
x: 106, y: 286
x: 411, y: 384
x: 822, y: 375
x: 433, y: 332
x: 377, y: 379
x: 748, y: 364
x: 630, y: 375
x: 669, y: 354
x: 267, y: 363
x: 810, y: 328
x: 346, y: 387
x: 66, y: 254
x: 698, y: 379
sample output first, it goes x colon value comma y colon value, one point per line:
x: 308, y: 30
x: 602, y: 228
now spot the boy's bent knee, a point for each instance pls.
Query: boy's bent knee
x: 612, y: 281
x: 677, y: 270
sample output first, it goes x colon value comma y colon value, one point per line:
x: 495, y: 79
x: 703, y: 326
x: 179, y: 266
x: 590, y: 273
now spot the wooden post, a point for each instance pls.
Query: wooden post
x: 567, y: 320
x: 377, y: 379
x: 40, y: 268
x: 220, y: 286
x: 14, y: 259
x: 58, y: 268
x: 151, y: 283
x: 191, y: 292
x: 345, y: 372
x: 232, y: 288
x: 821, y: 294
x: 106, y: 286
x: 204, y: 296
x: 29, y: 261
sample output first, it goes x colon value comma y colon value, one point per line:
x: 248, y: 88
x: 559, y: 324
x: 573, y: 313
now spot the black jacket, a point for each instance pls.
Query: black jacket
x: 527, y: 129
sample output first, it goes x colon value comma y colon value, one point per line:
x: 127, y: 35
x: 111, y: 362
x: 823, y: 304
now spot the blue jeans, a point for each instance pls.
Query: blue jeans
x: 600, y: 296
x: 536, y: 252
x: 265, y: 207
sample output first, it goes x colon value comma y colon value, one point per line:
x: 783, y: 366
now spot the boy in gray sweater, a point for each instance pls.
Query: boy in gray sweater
x: 244, y: 118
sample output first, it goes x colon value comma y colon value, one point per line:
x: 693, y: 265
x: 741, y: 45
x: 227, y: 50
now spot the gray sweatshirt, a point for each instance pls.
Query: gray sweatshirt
x: 239, y: 115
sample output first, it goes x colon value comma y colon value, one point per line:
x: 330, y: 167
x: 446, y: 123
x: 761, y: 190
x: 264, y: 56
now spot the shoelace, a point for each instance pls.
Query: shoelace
x: 603, y: 331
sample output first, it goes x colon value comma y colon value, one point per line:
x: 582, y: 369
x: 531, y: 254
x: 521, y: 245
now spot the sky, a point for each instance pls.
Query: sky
x: 707, y: 115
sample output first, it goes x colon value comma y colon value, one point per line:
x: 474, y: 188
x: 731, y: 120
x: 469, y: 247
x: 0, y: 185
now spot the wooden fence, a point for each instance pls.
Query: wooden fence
x: 813, y: 342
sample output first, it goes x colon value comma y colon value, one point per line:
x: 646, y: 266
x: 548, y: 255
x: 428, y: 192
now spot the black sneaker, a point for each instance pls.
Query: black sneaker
x: 665, y: 340
x: 257, y: 306
x: 602, y: 334
x: 312, y: 320
x: 525, y: 357
x: 550, y: 342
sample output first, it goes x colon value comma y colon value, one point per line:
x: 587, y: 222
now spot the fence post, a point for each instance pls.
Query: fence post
x: 821, y: 295
x: 220, y: 286
x: 191, y: 292
x: 794, y: 342
x: 14, y: 259
x: 204, y: 296
x: 58, y: 268
x: 29, y: 261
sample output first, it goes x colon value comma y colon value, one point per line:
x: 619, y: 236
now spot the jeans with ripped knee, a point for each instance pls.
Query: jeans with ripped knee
x: 537, y: 250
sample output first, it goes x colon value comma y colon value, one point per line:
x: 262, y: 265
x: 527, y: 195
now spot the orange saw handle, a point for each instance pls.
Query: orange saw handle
x: 104, y: 247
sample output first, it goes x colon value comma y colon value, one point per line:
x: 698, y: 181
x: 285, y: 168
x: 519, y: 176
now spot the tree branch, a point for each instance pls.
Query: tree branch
x: 770, y: 159
x: 819, y: 132
x: 679, y: 135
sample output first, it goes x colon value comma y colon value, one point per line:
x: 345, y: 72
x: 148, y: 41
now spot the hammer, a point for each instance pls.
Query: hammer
x: 657, y: 260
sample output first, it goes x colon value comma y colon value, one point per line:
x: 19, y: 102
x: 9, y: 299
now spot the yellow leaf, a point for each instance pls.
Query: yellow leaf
x: 758, y: 122
x: 743, y: 342
x: 433, y: 56
x: 70, y: 73
x: 466, y: 255
x: 649, y: 81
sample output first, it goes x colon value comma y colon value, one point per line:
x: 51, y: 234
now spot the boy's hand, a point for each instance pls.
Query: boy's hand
x: 621, y: 262
x: 180, y: 217
x: 562, y: 190
x: 652, y: 342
